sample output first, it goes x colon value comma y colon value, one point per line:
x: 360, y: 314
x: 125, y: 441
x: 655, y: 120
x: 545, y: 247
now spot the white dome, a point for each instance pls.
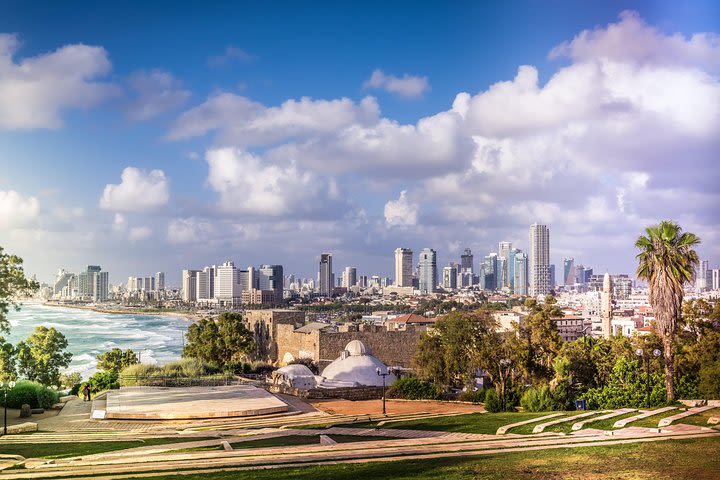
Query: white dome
x: 356, y: 348
x: 357, y: 369
x: 296, y: 370
x: 296, y: 375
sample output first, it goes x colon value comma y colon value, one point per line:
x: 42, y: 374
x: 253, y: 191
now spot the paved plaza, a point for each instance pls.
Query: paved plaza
x: 161, y: 403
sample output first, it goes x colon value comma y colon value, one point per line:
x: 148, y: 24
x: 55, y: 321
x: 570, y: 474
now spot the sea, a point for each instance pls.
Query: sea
x: 156, y: 339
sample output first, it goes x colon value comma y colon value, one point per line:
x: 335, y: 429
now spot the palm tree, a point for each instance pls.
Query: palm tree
x: 667, y: 261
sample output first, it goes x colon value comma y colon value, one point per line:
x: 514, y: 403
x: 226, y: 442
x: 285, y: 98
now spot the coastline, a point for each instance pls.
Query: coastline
x: 187, y: 316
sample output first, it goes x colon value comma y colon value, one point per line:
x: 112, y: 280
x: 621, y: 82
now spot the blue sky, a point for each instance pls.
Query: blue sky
x: 211, y: 97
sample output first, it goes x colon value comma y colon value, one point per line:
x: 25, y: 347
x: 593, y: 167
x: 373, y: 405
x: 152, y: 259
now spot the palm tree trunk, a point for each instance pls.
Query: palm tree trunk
x: 669, y: 357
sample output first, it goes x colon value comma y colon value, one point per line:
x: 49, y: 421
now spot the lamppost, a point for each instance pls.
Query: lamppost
x: 383, y: 375
x: 5, y: 387
x: 641, y: 353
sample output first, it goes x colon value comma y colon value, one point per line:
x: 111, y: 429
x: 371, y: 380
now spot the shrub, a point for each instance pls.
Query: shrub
x: 103, y: 381
x: 75, y: 390
x: 46, y: 398
x: 492, y: 401
x: 31, y: 393
x: 538, y: 399
x: 709, y: 384
x: 627, y: 388
x: 412, y: 388
x: 478, y: 396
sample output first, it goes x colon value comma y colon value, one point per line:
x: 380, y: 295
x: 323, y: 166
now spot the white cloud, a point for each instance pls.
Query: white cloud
x: 16, y: 210
x: 401, y: 212
x: 119, y: 222
x: 249, y: 185
x: 189, y: 230
x: 243, y: 122
x: 407, y: 86
x: 155, y: 92
x: 138, y: 191
x: 34, y: 91
x: 139, y: 233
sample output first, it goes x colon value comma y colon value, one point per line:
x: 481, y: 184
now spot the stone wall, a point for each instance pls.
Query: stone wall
x: 349, y: 393
x: 299, y: 345
x: 263, y: 324
x: 394, y: 348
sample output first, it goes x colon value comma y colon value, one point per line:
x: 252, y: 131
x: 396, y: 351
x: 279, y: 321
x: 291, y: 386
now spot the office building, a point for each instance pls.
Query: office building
x: 701, y: 283
x: 539, y: 257
x: 466, y: 261
x: 715, y: 279
x: 503, y: 264
x: 520, y: 274
x: 272, y: 277
x: 427, y: 272
x: 569, y: 271
x: 326, y: 278
x: 349, y: 277
x: 403, y: 267
x: 93, y: 284
x: 490, y: 272
x: 450, y: 277
x: 160, y: 281
x: 189, y: 285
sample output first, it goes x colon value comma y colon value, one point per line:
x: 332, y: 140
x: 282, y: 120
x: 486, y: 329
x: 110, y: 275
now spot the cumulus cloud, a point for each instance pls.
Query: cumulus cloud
x: 249, y: 185
x: 407, y: 86
x: 138, y: 191
x: 35, y: 90
x: 155, y: 92
x: 243, y: 122
x: 189, y: 230
x: 401, y: 212
x: 17, y: 210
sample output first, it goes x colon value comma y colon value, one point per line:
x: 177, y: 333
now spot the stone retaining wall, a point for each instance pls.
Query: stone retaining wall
x: 349, y: 393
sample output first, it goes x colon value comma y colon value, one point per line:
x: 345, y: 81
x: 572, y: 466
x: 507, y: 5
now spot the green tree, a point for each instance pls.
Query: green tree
x: 69, y: 380
x: 541, y: 340
x: 219, y: 341
x: 13, y: 285
x: 8, y: 361
x: 667, y: 261
x: 115, y: 360
x: 42, y: 355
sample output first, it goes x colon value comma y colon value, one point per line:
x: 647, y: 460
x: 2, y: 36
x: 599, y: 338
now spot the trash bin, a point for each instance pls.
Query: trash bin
x: 580, y: 404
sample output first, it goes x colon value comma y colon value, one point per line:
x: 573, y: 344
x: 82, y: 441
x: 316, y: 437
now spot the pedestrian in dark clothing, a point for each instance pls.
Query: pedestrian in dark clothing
x: 86, y: 392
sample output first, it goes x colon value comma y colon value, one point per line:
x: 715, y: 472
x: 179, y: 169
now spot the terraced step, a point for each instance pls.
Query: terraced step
x: 540, y: 428
x: 645, y: 414
x: 616, y: 413
x: 692, y: 411
x: 503, y: 430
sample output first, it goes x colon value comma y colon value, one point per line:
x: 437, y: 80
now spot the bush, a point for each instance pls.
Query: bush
x: 709, y: 384
x: 412, y: 388
x: 627, y: 388
x: 103, y: 381
x: 75, y: 390
x: 478, y: 396
x: 492, y: 401
x: 31, y: 393
x: 538, y: 399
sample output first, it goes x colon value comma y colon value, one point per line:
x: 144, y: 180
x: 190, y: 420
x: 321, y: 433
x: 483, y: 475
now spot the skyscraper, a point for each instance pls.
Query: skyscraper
x: 504, y: 263
x: 520, y: 269
x: 701, y: 282
x: 327, y: 279
x: 227, y: 284
x: 403, y: 267
x: 428, y: 271
x: 569, y: 271
x: 272, y: 278
x: 349, y: 277
x: 539, y: 260
x: 160, y: 281
x: 607, y: 306
x: 189, y: 285
x: 450, y: 276
x: 466, y: 261
x: 490, y: 269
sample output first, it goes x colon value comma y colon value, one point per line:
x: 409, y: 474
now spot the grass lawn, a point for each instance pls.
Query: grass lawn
x: 666, y: 460
x: 608, y: 424
x: 700, y: 419
x: 287, y: 441
x: 62, y: 450
x: 652, y: 422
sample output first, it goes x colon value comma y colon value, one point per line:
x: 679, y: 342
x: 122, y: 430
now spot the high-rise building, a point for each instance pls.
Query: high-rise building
x: 271, y: 277
x: 491, y: 268
x: 450, y: 277
x: 93, y: 284
x: 539, y: 260
x: 701, y: 282
x: 511, y: 267
x: 349, y: 277
x: 520, y: 270
x: 189, y: 285
x: 587, y: 273
x: 160, y: 281
x: 466, y: 261
x: 363, y: 281
x: 569, y: 271
x: 504, y: 249
x: 552, y: 276
x: 227, y: 284
x: 403, y: 267
x: 427, y: 274
x: 327, y: 279
x: 715, y: 279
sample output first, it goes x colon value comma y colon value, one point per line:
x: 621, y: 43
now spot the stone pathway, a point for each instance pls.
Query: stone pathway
x: 692, y: 411
x: 644, y: 414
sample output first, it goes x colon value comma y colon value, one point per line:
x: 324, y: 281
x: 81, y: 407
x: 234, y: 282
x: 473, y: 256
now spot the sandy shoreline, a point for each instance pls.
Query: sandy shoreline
x: 190, y: 317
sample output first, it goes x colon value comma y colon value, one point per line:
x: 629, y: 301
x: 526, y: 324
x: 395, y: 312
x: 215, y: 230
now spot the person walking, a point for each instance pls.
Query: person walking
x: 86, y: 393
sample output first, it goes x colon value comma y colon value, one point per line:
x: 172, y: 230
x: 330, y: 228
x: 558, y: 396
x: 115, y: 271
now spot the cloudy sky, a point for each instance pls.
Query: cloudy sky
x: 170, y: 136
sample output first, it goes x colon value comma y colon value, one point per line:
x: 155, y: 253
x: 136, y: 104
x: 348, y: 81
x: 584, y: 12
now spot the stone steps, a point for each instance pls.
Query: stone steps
x: 649, y: 413
x: 692, y: 411
x: 616, y: 413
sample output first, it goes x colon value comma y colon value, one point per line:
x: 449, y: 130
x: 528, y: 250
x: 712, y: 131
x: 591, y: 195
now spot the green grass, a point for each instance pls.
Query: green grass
x: 666, y: 460
x: 700, y: 419
x: 486, y: 423
x: 652, y: 422
x: 608, y: 424
x: 72, y: 449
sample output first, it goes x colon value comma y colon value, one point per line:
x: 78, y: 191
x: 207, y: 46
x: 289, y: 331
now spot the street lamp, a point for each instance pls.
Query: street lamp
x: 383, y: 375
x: 641, y: 353
x: 5, y: 387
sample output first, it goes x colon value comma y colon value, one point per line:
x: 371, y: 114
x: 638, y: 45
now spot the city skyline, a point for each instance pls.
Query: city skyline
x: 119, y: 152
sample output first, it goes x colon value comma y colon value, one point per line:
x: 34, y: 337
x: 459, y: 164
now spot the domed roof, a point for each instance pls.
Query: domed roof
x: 295, y: 371
x: 357, y: 369
x: 356, y: 348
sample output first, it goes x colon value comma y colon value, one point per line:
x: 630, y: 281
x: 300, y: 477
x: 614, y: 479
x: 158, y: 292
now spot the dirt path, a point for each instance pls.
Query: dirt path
x: 348, y: 407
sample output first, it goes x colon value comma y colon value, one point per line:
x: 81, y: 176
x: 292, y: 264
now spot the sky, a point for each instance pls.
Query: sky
x: 158, y: 136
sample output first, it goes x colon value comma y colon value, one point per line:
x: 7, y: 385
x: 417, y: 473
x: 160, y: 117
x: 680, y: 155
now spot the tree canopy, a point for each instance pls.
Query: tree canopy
x: 13, y: 285
x: 42, y: 355
x: 219, y: 341
x: 115, y: 360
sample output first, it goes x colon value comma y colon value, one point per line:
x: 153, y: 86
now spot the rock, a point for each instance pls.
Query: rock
x: 227, y: 446
x: 37, y: 411
x: 57, y: 406
x: 25, y: 411
x: 713, y: 420
x: 67, y: 398
x: 23, y: 427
